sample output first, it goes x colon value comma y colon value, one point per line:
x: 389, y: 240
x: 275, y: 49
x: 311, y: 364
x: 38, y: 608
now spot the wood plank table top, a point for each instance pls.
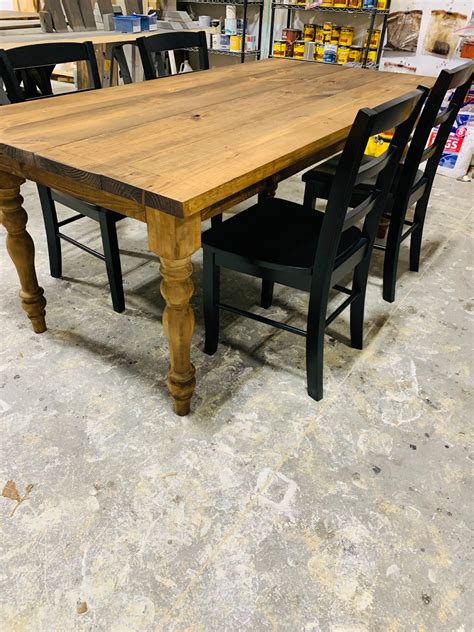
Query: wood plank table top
x: 18, y: 15
x: 174, y: 151
x: 184, y: 143
x: 12, y: 25
x: 24, y: 37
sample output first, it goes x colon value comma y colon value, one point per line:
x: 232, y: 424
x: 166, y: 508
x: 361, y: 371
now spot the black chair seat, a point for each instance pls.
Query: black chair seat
x: 279, y: 233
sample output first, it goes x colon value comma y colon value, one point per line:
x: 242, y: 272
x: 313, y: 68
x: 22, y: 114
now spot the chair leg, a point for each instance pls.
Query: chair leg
x: 216, y: 220
x: 359, y: 285
x: 267, y: 294
x: 211, y: 289
x: 315, y: 344
x: 392, y: 254
x: 108, y: 230
x: 417, y: 234
x: 51, y: 225
x: 314, y: 363
x: 309, y: 195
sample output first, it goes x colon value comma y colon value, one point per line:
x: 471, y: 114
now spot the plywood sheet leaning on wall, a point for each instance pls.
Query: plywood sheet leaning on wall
x: 87, y: 15
x: 74, y: 15
x: 105, y: 7
x: 55, y: 9
x: 46, y: 22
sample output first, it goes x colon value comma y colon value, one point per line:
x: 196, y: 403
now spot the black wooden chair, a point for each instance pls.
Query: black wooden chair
x: 26, y: 74
x: 292, y: 244
x: 415, y: 175
x: 162, y: 42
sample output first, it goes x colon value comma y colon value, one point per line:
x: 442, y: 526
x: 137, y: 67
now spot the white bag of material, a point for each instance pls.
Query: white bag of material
x: 457, y: 154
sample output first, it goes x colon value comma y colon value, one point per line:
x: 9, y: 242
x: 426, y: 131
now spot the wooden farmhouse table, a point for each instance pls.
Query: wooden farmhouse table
x: 142, y: 149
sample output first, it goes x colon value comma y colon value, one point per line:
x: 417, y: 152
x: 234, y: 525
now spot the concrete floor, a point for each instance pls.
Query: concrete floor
x: 263, y: 510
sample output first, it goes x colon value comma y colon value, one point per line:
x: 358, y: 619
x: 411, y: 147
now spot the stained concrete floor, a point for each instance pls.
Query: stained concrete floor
x: 262, y: 510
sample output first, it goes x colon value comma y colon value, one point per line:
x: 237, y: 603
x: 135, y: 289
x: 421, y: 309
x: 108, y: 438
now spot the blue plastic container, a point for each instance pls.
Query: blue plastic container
x: 128, y: 23
x: 148, y: 22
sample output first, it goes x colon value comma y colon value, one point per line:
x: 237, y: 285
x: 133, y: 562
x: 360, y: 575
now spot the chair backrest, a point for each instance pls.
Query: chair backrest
x: 346, y: 206
x: 428, y: 144
x: 32, y: 66
x: 177, y: 40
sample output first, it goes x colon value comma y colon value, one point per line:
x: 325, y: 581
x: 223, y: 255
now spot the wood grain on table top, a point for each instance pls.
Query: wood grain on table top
x: 183, y: 143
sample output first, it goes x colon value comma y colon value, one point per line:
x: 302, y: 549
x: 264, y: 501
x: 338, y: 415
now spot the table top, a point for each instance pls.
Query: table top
x: 10, y: 25
x: 183, y: 143
x: 26, y: 36
x: 18, y: 15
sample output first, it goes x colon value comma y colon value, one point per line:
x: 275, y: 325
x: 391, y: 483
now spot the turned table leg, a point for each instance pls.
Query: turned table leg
x: 21, y: 249
x: 174, y: 240
x: 178, y: 321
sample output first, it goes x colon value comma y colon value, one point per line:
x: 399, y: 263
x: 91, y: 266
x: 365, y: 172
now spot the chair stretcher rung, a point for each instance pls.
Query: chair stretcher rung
x: 341, y: 308
x: 409, y: 232
x: 74, y: 218
x: 261, y: 319
x: 344, y: 290
x: 72, y: 241
x: 284, y: 326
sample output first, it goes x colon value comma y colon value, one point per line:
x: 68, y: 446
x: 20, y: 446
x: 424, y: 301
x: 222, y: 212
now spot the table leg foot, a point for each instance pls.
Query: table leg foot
x: 22, y: 250
x: 178, y: 322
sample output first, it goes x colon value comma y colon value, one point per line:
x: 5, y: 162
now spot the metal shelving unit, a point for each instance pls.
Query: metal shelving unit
x: 371, y: 13
x: 245, y: 4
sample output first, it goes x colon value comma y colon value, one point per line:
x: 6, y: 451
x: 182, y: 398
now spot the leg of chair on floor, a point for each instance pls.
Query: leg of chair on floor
x: 417, y: 234
x: 359, y: 285
x: 51, y: 225
x: 211, y: 288
x: 108, y: 231
x: 315, y: 343
x: 392, y: 254
x: 267, y: 294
